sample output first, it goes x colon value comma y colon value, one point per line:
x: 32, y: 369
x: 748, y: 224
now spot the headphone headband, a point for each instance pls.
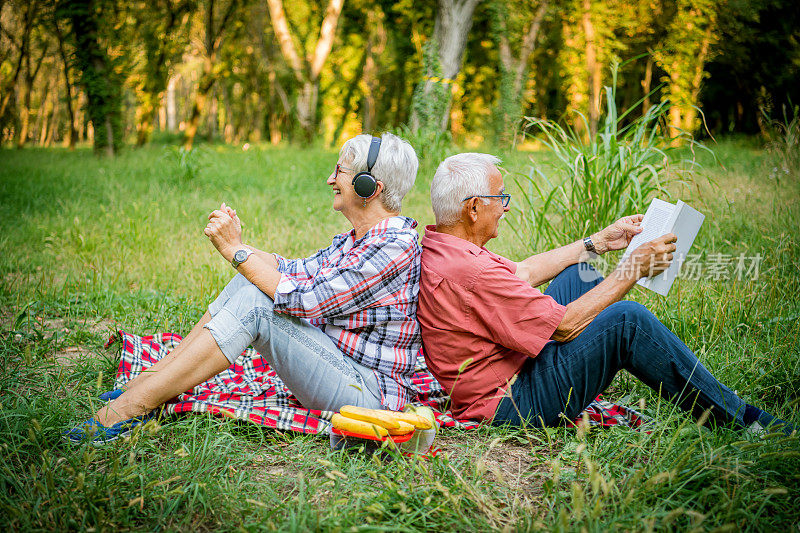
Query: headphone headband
x: 372, y: 156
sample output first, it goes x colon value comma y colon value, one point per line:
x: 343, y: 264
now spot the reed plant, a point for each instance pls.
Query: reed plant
x: 784, y: 144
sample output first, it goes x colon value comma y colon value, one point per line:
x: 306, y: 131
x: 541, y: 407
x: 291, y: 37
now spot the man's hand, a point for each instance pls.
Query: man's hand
x: 651, y: 258
x: 618, y: 235
x: 224, y: 229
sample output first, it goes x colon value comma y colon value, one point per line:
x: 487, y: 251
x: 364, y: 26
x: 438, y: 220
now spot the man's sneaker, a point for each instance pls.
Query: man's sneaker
x: 767, y: 423
x: 111, y: 395
x: 96, y: 434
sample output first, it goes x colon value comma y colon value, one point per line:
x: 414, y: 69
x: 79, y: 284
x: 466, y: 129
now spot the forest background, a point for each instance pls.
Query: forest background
x: 238, y: 71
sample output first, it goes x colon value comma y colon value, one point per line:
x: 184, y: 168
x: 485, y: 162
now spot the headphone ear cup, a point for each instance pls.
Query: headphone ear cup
x: 365, y: 184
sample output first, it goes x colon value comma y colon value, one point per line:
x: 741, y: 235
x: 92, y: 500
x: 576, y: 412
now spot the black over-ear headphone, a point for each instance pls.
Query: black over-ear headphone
x: 365, y: 183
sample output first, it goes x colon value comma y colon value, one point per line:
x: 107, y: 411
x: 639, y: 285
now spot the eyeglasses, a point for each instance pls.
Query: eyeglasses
x: 340, y: 168
x: 505, y: 198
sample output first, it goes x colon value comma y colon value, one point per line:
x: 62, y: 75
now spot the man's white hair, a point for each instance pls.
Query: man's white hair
x: 458, y: 177
x: 396, y: 166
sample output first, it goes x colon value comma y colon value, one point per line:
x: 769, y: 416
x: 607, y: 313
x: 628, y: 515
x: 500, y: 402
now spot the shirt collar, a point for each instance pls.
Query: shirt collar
x: 451, y: 240
x: 397, y: 222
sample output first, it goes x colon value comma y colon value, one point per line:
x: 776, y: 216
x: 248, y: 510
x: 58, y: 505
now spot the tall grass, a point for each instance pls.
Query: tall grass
x: 784, y: 144
x: 595, y: 180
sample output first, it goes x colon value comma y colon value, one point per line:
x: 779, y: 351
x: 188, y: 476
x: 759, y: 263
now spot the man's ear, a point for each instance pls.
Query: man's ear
x: 470, y: 210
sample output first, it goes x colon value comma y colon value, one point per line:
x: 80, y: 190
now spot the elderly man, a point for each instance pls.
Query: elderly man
x: 508, y: 354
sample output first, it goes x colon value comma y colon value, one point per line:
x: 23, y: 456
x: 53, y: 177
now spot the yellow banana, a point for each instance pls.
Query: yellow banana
x: 358, y: 426
x: 405, y: 428
x: 379, y: 417
x: 414, y: 419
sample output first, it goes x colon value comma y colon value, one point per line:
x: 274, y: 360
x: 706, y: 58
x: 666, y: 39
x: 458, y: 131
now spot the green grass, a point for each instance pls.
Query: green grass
x: 90, y: 245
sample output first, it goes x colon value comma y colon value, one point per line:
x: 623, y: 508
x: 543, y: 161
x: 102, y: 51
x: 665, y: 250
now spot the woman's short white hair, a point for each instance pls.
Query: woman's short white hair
x: 458, y: 177
x: 396, y: 166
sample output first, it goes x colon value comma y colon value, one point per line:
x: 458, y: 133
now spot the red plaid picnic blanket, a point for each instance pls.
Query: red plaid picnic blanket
x: 250, y: 390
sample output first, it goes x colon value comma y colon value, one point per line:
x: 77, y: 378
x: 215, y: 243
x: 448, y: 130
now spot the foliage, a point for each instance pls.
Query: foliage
x: 756, y: 64
x: 430, y: 99
x: 730, y: 58
x: 96, y: 245
x: 611, y: 175
x: 187, y: 162
x: 429, y: 104
x: 100, y: 79
x: 689, y: 43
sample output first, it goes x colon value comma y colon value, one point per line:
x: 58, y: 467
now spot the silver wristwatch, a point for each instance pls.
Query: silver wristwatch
x: 240, y: 257
x: 589, y: 245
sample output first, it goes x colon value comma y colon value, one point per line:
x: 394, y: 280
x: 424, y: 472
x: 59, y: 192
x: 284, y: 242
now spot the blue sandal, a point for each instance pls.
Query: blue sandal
x: 97, y: 434
x: 111, y: 395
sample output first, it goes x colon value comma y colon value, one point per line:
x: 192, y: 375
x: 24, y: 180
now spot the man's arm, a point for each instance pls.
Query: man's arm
x: 649, y: 259
x: 543, y: 267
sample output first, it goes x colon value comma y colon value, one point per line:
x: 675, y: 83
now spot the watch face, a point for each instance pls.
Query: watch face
x: 240, y: 256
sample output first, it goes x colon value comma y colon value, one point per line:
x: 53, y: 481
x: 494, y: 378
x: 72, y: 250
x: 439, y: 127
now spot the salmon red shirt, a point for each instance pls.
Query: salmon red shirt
x: 479, y: 321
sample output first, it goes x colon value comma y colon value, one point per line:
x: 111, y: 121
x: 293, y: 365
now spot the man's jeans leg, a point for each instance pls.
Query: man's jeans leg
x: 566, y: 377
x: 573, y: 282
x: 305, y: 358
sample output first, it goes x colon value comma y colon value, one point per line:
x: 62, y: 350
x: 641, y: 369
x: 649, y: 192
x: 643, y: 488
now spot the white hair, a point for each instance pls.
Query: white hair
x: 458, y: 177
x: 396, y: 166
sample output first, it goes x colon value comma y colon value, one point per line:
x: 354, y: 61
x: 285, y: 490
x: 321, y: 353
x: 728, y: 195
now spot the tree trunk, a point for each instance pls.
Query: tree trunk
x: 172, y: 113
x: 511, y: 102
x: 450, y: 32
x: 200, y: 98
x: 24, y: 115
x: 306, y: 73
x: 145, y: 112
x: 71, y: 132
x: 52, y: 122
x: 213, y: 115
x: 102, y: 85
x: 46, y: 111
x: 307, y: 107
x: 690, y: 115
x: 647, y: 82
x: 592, y: 68
x: 212, y: 42
x: 346, y: 103
x: 376, y: 43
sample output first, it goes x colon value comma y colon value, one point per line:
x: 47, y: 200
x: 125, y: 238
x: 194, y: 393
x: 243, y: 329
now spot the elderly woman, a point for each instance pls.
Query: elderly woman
x: 339, y: 327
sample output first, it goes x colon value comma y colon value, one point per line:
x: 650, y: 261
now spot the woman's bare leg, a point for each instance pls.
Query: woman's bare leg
x: 198, y: 361
x: 164, y: 362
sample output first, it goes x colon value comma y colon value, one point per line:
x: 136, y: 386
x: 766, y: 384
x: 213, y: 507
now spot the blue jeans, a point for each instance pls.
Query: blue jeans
x: 567, y: 376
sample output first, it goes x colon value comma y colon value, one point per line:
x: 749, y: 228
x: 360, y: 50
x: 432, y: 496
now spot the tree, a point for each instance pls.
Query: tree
x: 214, y: 28
x: 101, y: 83
x: 450, y: 31
x: 160, y: 27
x: 517, y: 28
x: 687, y: 47
x: 306, y: 68
x: 754, y: 74
x: 72, y: 133
x: 34, y: 42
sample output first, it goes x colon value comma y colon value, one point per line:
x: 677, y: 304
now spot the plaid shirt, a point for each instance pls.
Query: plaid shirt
x: 363, y: 295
